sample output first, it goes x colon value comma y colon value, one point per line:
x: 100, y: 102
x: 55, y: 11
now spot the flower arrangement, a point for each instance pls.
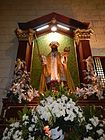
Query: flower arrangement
x: 60, y: 114
x: 57, y: 117
x: 95, y: 129
x: 93, y: 89
x: 21, y: 89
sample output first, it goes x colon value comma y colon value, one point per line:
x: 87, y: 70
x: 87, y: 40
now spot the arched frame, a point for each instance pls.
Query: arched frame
x: 44, y: 48
x: 78, y: 33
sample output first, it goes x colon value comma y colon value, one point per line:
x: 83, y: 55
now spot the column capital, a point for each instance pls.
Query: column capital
x: 83, y: 34
x: 25, y: 35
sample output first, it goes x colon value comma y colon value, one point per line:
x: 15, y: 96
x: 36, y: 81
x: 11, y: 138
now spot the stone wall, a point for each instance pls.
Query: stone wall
x: 14, y: 11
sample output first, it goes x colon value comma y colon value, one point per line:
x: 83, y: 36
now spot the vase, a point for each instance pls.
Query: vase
x: 57, y: 134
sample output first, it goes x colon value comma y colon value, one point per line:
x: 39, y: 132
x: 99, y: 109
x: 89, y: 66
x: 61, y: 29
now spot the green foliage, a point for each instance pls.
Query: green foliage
x: 12, y: 120
x: 61, y: 90
x: 42, y: 138
x: 12, y: 97
x: 40, y: 123
x: 73, y: 136
x: 52, y: 119
x: 25, y: 110
x: 90, y: 111
x: 25, y: 132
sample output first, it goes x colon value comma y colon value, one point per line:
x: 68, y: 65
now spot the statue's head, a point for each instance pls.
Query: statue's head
x: 54, y: 44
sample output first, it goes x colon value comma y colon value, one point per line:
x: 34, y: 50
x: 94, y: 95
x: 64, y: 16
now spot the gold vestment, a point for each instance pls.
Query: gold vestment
x: 61, y: 70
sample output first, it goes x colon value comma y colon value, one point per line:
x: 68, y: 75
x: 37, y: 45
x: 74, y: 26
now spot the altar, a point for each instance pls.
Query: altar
x: 52, y: 54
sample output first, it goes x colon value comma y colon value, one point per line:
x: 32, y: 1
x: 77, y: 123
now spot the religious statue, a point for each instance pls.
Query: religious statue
x: 55, y: 68
x: 90, y: 64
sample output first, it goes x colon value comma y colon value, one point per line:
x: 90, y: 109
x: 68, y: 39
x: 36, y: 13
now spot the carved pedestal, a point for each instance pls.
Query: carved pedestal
x: 10, y: 109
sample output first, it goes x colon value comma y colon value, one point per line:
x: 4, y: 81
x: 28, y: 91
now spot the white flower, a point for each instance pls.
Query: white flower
x: 34, y: 118
x: 25, y: 117
x: 17, y: 135
x: 60, y: 107
x: 102, y: 138
x: 52, y: 108
x: 25, y: 123
x: 104, y: 135
x: 100, y: 131
x: 31, y: 138
x: 94, y: 121
x: 80, y: 114
x: 64, y: 98
x: 16, y: 124
x: 49, y: 99
x: 5, y: 131
x: 44, y: 112
x: 33, y: 125
x: 89, y: 127
x: 89, y: 138
x: 9, y: 134
x: 101, y: 125
x: 30, y: 129
x: 42, y: 102
x: 69, y: 117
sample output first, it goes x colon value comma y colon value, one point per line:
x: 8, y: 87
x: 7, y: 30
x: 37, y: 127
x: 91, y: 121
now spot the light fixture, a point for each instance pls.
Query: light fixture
x: 54, y: 36
x: 42, y: 28
x: 63, y: 27
x: 54, y: 28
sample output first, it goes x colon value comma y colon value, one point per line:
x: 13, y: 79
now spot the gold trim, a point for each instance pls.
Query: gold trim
x: 83, y: 34
x: 26, y: 35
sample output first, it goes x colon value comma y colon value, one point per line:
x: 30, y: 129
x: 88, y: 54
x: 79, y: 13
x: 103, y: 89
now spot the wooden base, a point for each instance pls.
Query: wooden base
x: 10, y: 109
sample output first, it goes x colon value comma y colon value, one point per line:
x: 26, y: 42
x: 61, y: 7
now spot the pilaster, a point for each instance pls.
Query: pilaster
x: 82, y: 40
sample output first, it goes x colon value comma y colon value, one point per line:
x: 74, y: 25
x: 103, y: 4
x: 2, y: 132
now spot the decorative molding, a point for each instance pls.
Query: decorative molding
x: 82, y: 34
x: 25, y: 35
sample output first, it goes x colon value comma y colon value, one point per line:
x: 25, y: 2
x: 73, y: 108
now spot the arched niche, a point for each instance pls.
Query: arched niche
x: 77, y: 34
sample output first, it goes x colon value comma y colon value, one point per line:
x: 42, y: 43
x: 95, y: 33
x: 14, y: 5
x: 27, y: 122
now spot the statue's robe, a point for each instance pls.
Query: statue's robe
x: 55, y: 71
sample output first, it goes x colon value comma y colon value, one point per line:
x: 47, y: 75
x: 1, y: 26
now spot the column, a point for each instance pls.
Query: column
x: 25, y: 38
x: 82, y: 40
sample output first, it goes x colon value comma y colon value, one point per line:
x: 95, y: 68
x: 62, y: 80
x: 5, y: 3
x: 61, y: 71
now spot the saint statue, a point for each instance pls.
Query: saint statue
x: 54, y: 68
x: 90, y: 64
